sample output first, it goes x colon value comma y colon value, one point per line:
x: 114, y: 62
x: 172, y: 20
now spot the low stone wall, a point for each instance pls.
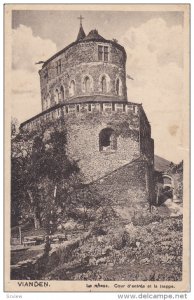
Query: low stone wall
x: 34, y: 269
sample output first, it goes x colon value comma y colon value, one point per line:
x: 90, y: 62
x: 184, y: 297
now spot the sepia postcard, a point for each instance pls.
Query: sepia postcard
x: 97, y: 118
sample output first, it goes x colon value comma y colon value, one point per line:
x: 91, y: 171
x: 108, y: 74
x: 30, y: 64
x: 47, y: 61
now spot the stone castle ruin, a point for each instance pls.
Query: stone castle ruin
x: 108, y: 135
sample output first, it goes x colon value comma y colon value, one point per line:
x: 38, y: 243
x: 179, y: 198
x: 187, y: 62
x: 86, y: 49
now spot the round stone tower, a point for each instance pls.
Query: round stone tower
x: 88, y: 68
x: 83, y: 87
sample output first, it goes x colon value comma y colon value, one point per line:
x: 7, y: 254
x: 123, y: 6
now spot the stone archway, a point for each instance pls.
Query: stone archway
x: 107, y: 140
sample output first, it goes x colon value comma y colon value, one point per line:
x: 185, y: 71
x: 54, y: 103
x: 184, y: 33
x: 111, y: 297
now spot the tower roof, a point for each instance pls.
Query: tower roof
x: 94, y: 35
x: 81, y: 34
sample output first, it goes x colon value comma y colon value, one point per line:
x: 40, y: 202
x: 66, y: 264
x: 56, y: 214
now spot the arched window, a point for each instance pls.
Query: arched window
x: 103, y: 84
x: 48, y: 100
x: 56, y: 96
x: 72, y: 88
x: 167, y: 180
x: 117, y: 86
x: 62, y: 94
x: 87, y: 84
x: 107, y: 140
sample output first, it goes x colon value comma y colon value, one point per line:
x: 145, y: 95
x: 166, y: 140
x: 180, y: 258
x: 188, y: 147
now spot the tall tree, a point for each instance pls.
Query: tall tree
x: 41, y: 172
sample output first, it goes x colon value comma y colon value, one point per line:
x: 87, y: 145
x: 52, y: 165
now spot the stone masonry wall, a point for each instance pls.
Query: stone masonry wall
x: 79, y: 61
x: 146, y: 143
x: 83, y: 142
x: 125, y: 175
x: 126, y: 186
x: 83, y: 129
x: 147, y: 149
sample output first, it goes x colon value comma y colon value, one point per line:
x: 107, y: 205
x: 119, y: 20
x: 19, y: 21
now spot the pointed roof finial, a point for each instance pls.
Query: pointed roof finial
x: 80, y: 18
x: 81, y: 33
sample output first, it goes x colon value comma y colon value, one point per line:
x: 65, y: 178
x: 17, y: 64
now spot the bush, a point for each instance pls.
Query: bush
x: 176, y: 225
x: 123, y: 238
x: 99, y: 231
x: 117, y: 241
x: 141, y: 219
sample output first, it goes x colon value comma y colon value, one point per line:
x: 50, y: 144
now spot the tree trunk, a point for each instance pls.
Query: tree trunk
x: 36, y: 220
x: 150, y: 207
x: 20, y: 235
x: 157, y: 196
x: 55, y: 191
x: 35, y: 211
x: 85, y: 217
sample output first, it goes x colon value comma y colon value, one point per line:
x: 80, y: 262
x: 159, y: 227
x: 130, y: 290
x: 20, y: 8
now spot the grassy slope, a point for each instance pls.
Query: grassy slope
x: 149, y: 250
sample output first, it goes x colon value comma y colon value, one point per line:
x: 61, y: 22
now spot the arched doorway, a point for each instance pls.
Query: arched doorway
x: 167, y: 180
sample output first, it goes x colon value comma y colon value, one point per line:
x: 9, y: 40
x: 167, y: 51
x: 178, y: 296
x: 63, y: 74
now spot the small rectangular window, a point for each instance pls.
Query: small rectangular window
x: 46, y: 75
x: 124, y: 107
x: 77, y: 108
x: 66, y: 109
x: 105, y: 53
x: 113, y: 106
x: 89, y: 107
x: 100, y: 52
x: 101, y: 106
x: 58, y: 67
x: 135, y: 109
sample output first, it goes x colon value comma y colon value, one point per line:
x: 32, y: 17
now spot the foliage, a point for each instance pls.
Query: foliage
x: 130, y: 253
x: 51, y: 188
x: 175, y: 168
x: 14, y: 126
x: 37, y: 172
x: 17, y: 182
x: 142, y: 219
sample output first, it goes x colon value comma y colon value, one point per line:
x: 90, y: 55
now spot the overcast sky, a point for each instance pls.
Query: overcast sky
x: 154, y: 46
